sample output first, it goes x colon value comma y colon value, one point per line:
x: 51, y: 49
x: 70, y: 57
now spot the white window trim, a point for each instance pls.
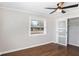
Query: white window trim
x: 30, y: 18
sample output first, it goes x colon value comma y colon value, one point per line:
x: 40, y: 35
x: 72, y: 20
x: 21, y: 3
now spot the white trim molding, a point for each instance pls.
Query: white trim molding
x: 9, y: 51
x: 37, y: 18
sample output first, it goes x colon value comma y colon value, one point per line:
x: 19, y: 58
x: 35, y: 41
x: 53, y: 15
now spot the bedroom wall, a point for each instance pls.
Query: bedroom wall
x: 1, y: 26
x: 15, y: 31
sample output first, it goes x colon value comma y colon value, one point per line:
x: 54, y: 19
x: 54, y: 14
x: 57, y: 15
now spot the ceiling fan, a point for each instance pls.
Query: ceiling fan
x: 61, y: 7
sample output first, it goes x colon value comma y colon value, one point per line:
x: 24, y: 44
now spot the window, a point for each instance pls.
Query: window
x: 37, y: 26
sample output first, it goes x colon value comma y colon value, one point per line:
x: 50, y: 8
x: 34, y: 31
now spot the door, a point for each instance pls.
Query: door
x: 74, y: 31
x: 61, y: 29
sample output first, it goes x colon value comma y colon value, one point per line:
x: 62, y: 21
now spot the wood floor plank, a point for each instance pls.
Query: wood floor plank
x: 47, y: 50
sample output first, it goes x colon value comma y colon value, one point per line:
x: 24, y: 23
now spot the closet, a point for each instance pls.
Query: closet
x: 74, y: 31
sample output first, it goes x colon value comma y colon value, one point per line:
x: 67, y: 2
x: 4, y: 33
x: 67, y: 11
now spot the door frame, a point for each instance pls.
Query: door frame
x: 67, y: 31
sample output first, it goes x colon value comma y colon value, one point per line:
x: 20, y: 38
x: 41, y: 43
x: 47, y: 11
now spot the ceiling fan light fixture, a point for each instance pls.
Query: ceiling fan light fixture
x: 59, y: 10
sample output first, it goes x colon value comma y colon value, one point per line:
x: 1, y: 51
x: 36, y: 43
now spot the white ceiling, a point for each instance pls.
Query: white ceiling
x: 35, y: 6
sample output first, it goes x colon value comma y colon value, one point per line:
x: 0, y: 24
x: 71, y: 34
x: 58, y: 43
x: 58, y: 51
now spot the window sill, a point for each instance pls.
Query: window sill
x: 37, y: 34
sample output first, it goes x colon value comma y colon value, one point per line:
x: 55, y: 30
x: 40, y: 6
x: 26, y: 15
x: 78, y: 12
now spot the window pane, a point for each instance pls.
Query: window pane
x: 34, y: 23
x: 37, y: 26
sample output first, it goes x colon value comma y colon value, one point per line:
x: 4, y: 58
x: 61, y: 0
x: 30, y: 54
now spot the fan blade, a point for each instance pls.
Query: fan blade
x: 71, y: 6
x: 53, y: 11
x: 50, y: 8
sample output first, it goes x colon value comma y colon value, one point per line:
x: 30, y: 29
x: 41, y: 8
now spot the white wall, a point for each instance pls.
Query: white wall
x: 1, y: 26
x: 15, y: 31
x: 52, y: 28
x: 74, y: 31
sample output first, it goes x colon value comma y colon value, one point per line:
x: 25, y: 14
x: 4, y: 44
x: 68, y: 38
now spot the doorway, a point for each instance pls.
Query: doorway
x: 73, y: 31
x: 61, y: 32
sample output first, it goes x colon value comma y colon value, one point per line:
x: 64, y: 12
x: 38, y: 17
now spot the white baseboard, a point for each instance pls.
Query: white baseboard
x: 74, y: 45
x: 9, y: 51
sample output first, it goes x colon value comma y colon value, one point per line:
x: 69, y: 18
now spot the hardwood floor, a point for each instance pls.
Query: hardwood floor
x: 47, y: 50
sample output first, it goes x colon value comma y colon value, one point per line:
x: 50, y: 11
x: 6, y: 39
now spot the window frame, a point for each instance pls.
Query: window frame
x: 38, y: 18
